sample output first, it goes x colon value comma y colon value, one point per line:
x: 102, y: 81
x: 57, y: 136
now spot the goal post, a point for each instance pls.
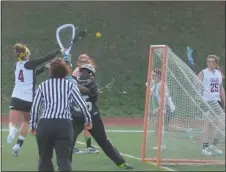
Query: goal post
x: 177, y: 121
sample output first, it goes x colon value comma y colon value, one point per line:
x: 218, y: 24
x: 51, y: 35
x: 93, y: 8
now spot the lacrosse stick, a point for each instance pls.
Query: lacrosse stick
x: 107, y: 86
x: 191, y: 59
x: 66, y: 36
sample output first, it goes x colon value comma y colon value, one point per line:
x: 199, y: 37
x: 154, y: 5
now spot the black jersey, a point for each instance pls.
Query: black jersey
x: 91, y: 98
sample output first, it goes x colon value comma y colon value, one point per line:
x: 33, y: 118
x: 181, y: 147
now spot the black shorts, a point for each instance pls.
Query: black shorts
x: 20, y: 105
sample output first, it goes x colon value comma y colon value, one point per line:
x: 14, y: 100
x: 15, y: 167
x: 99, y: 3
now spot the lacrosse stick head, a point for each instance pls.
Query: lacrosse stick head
x: 65, y: 35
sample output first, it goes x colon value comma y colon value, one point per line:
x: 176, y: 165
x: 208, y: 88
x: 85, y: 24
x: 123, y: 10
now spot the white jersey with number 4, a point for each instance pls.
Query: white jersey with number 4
x: 212, y: 81
x: 23, y: 82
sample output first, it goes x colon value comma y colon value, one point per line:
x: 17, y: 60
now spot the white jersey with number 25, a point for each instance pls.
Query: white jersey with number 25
x: 23, y: 82
x: 212, y: 81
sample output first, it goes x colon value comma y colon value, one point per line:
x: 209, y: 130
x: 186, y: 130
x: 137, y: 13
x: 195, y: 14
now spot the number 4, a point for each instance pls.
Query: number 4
x: 21, y: 76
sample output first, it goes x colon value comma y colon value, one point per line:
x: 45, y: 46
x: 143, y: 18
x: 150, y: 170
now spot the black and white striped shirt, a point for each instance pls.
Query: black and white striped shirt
x: 57, y: 94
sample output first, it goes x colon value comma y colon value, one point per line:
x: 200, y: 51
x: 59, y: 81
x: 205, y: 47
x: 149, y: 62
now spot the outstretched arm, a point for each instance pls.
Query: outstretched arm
x: 32, y: 64
x: 40, y: 70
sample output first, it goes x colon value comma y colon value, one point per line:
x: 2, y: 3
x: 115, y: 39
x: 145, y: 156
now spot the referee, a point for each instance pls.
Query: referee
x: 54, y: 130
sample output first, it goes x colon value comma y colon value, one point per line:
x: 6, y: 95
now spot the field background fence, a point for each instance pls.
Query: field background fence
x: 128, y: 28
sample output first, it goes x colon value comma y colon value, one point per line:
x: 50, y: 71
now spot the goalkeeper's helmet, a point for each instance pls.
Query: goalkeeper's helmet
x: 89, y: 68
x: 87, y: 73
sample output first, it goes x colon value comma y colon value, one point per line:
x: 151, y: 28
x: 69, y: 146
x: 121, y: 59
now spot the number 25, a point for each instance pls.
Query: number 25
x: 21, y: 76
x: 214, y: 87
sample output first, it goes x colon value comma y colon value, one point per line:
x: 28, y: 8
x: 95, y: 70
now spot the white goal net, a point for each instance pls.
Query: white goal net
x: 180, y: 127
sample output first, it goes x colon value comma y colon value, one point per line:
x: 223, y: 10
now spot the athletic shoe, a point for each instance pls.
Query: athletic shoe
x: 77, y: 151
x: 16, y: 150
x: 12, y: 134
x: 92, y: 150
x: 164, y: 148
x: 206, y: 152
x: 125, y: 166
x: 215, y: 150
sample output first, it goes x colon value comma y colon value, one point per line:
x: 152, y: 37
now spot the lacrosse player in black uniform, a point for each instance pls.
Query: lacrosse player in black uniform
x: 90, y: 93
x: 90, y: 149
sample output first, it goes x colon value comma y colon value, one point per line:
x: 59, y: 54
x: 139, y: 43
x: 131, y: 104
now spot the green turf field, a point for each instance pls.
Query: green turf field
x: 29, y: 156
x: 128, y: 143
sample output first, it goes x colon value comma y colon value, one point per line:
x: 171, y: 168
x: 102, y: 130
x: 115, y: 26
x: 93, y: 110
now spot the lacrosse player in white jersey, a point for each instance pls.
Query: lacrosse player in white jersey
x: 23, y: 93
x: 213, y: 92
x: 169, y: 107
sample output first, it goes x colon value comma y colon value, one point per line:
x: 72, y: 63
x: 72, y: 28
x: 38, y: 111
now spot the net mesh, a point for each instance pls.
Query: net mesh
x: 188, y: 120
x: 65, y: 36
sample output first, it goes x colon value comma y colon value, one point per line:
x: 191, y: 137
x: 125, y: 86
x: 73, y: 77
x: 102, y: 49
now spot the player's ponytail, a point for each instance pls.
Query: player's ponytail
x: 21, y: 51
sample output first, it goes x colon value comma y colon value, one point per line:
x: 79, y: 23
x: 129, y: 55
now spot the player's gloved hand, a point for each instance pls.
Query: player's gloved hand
x: 67, y: 52
x: 88, y: 126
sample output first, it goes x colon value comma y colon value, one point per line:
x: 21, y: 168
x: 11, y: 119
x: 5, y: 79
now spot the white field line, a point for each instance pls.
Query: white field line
x: 136, y: 158
x: 123, y: 154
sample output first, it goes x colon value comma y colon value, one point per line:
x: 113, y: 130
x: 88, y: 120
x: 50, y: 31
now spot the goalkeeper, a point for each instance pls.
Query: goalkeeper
x: 169, y: 107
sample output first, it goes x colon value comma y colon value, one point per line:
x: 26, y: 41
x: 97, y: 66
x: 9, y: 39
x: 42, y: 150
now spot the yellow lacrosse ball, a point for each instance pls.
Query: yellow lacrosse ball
x: 98, y: 35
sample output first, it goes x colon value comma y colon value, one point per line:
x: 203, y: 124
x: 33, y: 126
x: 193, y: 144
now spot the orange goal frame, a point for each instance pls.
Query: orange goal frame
x: 158, y: 160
